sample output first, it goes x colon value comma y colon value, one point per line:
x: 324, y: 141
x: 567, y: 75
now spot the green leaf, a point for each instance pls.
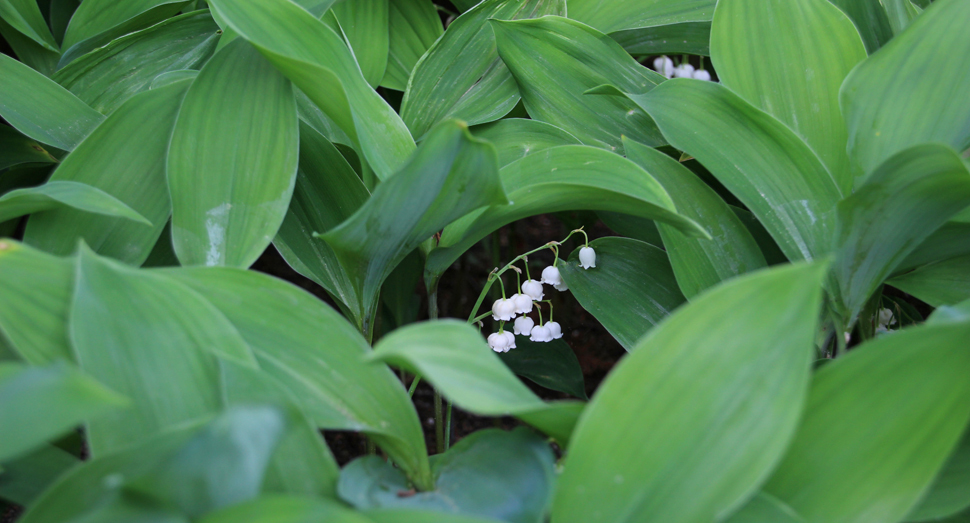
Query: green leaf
x: 334, y: 386
x: 413, y: 26
x: 911, y: 386
x: 17, y: 149
x: 614, y: 15
x: 60, y: 14
x: 155, y: 341
x: 25, y: 16
x: 552, y: 365
x: 631, y: 289
x: 804, y: 49
x: 171, y: 77
x: 685, y: 37
x: 108, y: 76
x: 25, y: 478
x: 124, y: 157
x: 451, y: 174
x: 285, y: 509
x: 870, y: 20
x: 38, y: 57
x: 897, y: 207
x: 505, y: 476
x: 405, y: 515
x: 41, y: 109
x: 317, y: 61
x: 950, y: 493
x: 889, y: 101
x: 698, y: 263
x: 454, y: 357
x: 949, y: 241
x: 516, y: 138
x: 365, y: 24
x: 56, y: 194
x: 762, y: 162
x: 555, y: 60
x: 461, y: 75
x: 764, y: 509
x: 95, y: 18
x: 632, y: 227
x: 900, y: 13
x: 941, y: 283
x: 40, y: 403
x: 571, y: 177
x: 229, y: 216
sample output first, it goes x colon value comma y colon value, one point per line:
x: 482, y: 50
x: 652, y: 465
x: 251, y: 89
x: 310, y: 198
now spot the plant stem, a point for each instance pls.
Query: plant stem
x: 439, y: 431
x: 448, y: 427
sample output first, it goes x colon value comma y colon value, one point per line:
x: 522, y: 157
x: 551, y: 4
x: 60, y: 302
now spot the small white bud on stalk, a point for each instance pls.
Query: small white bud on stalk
x: 503, y: 310
x: 587, y: 258
x: 523, y: 325
x: 684, y: 71
x: 886, y: 317
x: 664, y: 66
x: 702, y: 74
x: 533, y: 289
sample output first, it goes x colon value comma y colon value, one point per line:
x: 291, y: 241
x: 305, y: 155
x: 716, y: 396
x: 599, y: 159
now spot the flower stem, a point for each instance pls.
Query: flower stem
x: 550, y: 309
x: 584, y: 235
x: 539, y: 310
x: 438, y: 417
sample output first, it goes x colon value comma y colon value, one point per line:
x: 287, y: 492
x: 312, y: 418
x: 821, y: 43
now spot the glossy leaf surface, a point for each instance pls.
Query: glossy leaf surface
x: 552, y: 365
x: 516, y: 138
x: 98, y: 16
x: 25, y: 17
x: 870, y: 20
x: 17, y: 149
x: 613, y: 15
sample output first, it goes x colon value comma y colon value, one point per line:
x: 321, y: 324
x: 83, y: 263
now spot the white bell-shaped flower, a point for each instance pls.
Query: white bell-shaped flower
x: 587, y: 257
x: 533, y: 289
x: 561, y: 287
x: 523, y: 325
x: 702, y: 74
x: 541, y: 333
x: 684, y: 71
x: 510, y: 339
x: 886, y: 317
x: 503, y: 310
x: 664, y: 66
x: 523, y: 303
x: 554, y: 329
x: 498, y: 341
x: 551, y: 276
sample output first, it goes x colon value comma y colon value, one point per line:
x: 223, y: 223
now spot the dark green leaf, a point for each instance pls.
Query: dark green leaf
x: 950, y: 493
x: 25, y: 478
x: 765, y: 509
x: 552, y: 365
x: 413, y: 27
x: 17, y: 149
x: 38, y: 57
x: 944, y: 282
x: 949, y: 241
x: 632, y: 227
x: 870, y: 20
x: 685, y: 37
x: 109, y: 19
x: 25, y: 16
x: 614, y: 15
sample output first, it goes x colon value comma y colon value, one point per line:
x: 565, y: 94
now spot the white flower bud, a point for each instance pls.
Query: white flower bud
x: 533, y: 289
x: 561, y: 287
x: 523, y: 325
x: 886, y: 317
x: 587, y: 257
x: 684, y: 71
x: 510, y: 339
x: 550, y: 276
x: 503, y: 310
x: 498, y: 342
x: 702, y: 74
x: 664, y: 66
x: 554, y: 329
x: 523, y: 303
x: 541, y: 333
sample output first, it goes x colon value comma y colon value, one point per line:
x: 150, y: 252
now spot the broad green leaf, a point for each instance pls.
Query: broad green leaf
x: 405, y: 515
x: 60, y: 14
x: 614, y: 15
x: 17, y: 149
x: 172, y: 77
x: 870, y: 20
x: 552, y: 365
x: 898, y: 205
x: 25, y: 16
x: 632, y: 227
x: 38, y: 57
x: 762, y: 162
x: 398, y: 294
x: 37, y: 293
x: 25, y: 478
x: 804, y: 49
x: 57, y: 194
x: 698, y: 263
x: 689, y: 424
x: 124, y: 157
x: 764, y: 509
x: 153, y: 340
x: 451, y: 174
x: 109, y: 17
x: 41, y: 109
x: 881, y: 421
x: 327, y: 192
x: 516, y: 138
x: 571, y: 177
x: 949, y: 241
x: 900, y: 13
x: 944, y: 282
x: 461, y: 76
x: 889, y: 101
x: 318, y: 62
x: 631, y: 289
x: 454, y: 357
x: 555, y: 60
x: 40, y: 403
x: 238, y: 125
x: 413, y: 26
x: 335, y: 387
x: 769, y: 247
x: 365, y: 24
x: 108, y: 76
x: 285, y: 509
x: 505, y: 476
x: 950, y: 493
x: 684, y: 37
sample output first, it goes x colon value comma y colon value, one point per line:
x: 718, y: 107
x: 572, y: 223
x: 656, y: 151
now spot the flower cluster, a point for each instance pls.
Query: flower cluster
x: 665, y: 66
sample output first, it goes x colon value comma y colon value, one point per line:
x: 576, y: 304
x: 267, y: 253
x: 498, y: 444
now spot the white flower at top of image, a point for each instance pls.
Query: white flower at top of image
x: 886, y: 317
x: 587, y: 257
x: 551, y: 276
x: 523, y: 325
x: 510, y: 339
x: 554, y: 329
x: 523, y: 303
x: 533, y: 289
x: 503, y: 310
x: 498, y: 341
x: 541, y: 333
x: 684, y: 71
x: 702, y: 74
x: 664, y: 66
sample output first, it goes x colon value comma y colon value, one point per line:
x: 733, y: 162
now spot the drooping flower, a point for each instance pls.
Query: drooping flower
x: 498, y: 341
x: 541, y: 333
x: 533, y: 289
x: 587, y: 257
x: 551, y: 276
x: 503, y: 310
x: 561, y: 287
x: 554, y: 329
x: 523, y: 325
x: 510, y: 339
x: 886, y: 317
x: 664, y: 66
x: 684, y: 70
x: 702, y: 74
x: 523, y: 303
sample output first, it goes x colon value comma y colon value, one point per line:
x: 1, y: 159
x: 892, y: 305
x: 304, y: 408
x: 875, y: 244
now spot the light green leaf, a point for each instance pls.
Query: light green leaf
x: 555, y: 60
x: 404, y: 515
x: 889, y: 101
x: 900, y: 13
x: 614, y: 15
x: 551, y: 364
x: 897, y: 207
x: 631, y: 289
x: 804, y: 49
x: 56, y: 194
x: 413, y: 26
x: 124, y: 157
x: 108, y: 76
x: 949, y: 241
x: 237, y: 124
x: 318, y: 62
x: 504, y: 476
x: 950, y: 493
x: 571, y: 177
x: 25, y: 478
x: 718, y: 386
x: 40, y: 403
x: 758, y: 159
x: 764, y: 509
x: 25, y: 16
x: 461, y: 75
x: 365, y: 24
x: 17, y: 149
x: 685, y: 37
x: 698, y: 263
x: 109, y: 19
x: 454, y: 357
x: 451, y: 174
x: 285, y: 509
x: 333, y: 384
x: 171, y: 77
x: 516, y: 138
x: 870, y: 20
x: 941, y: 283
x: 911, y: 386
x: 41, y: 109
